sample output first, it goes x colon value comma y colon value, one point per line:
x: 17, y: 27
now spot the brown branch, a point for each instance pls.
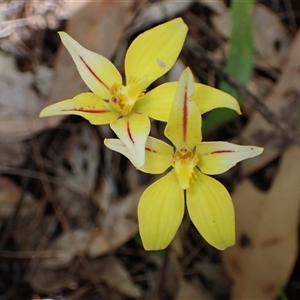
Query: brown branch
x: 289, y: 132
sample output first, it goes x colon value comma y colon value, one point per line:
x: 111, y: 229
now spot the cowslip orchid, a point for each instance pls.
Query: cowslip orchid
x: 150, y: 56
x: 127, y: 108
x: 161, y: 207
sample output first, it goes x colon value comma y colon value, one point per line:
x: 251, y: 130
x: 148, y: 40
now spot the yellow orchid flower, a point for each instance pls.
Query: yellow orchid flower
x: 127, y: 108
x: 161, y: 207
x: 150, y: 56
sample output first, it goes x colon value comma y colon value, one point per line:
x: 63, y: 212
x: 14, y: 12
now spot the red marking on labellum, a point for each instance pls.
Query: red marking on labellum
x: 221, y: 151
x: 129, y: 133
x: 93, y: 73
x: 93, y: 111
x: 150, y: 150
x: 185, y: 112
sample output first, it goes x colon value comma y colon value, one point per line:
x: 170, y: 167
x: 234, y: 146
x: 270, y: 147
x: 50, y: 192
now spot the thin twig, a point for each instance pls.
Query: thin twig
x: 281, y: 125
x: 30, y: 174
x: 162, y: 276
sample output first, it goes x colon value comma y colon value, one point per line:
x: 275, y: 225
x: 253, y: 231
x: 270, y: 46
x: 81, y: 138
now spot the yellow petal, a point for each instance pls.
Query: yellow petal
x: 118, y: 146
x: 133, y: 131
x: 218, y: 157
x: 157, y: 103
x: 184, y: 124
x: 211, y: 210
x: 158, y: 156
x: 86, y: 105
x: 160, y: 212
x: 208, y: 98
x: 155, y: 51
x: 97, y: 72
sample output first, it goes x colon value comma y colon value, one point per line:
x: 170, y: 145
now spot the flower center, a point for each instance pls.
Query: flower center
x: 123, y: 97
x: 184, y: 161
x: 120, y: 99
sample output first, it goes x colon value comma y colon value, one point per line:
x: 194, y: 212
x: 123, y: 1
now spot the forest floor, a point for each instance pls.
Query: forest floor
x: 68, y: 221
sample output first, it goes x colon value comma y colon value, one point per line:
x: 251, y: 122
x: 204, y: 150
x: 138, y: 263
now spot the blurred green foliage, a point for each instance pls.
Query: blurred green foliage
x: 240, y: 59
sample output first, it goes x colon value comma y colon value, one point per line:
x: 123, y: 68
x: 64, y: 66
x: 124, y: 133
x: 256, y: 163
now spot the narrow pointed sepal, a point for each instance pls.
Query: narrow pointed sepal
x: 160, y: 212
x: 118, y: 146
x: 86, y: 105
x: 211, y: 211
x: 184, y: 124
x: 157, y: 154
x: 133, y: 131
x: 157, y: 103
x: 218, y: 157
x: 98, y: 73
x: 208, y: 98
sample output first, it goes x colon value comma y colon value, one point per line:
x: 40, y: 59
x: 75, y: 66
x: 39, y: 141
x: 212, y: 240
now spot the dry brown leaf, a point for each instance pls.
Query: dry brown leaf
x: 32, y: 229
x: 48, y: 281
x: 283, y: 100
x: 12, y: 153
x: 213, y: 272
x: 217, y: 6
x: 78, y: 160
x: 159, y: 12
x: 77, y: 207
x: 111, y: 271
x: 20, y: 104
x: 76, y: 167
x: 189, y: 291
x: 260, y: 87
x: 10, y: 195
x: 117, y: 225
x: 65, y: 247
x: 186, y: 290
x: 273, y: 42
x: 267, y: 234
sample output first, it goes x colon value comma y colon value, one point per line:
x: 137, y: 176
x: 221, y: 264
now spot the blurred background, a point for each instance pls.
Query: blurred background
x: 68, y: 224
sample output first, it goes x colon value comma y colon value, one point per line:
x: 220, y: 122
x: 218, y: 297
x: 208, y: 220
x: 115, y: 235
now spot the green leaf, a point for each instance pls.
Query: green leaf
x: 240, y: 59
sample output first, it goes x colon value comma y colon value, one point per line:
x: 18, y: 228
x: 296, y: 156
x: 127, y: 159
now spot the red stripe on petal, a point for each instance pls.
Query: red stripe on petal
x: 95, y: 111
x: 150, y: 150
x: 93, y: 73
x: 221, y: 151
x: 185, y: 112
x: 129, y: 133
